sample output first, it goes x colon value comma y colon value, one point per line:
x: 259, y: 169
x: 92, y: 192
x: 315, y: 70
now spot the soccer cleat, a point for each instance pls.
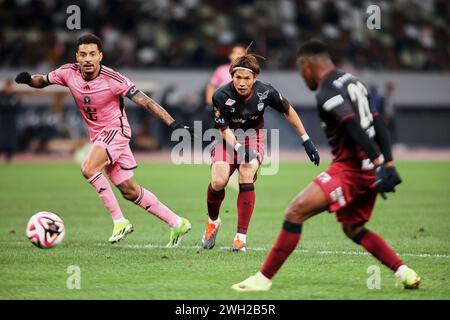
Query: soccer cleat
x: 121, y: 229
x: 409, y: 279
x: 239, y: 246
x: 253, y: 283
x: 177, y: 233
x: 209, y: 237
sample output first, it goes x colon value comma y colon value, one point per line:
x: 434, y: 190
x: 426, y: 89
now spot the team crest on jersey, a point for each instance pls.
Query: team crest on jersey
x: 260, y: 106
x: 263, y: 96
x: 87, y: 100
x: 230, y: 102
x: 216, y: 112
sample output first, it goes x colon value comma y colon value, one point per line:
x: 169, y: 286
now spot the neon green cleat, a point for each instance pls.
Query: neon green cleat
x: 409, y: 278
x: 253, y: 283
x: 121, y: 229
x: 177, y: 233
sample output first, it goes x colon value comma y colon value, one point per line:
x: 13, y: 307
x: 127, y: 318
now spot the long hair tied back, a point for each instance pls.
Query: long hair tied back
x: 247, y: 62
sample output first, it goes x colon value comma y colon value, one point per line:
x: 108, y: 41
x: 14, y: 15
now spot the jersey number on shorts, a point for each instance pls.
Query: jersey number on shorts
x: 358, y: 93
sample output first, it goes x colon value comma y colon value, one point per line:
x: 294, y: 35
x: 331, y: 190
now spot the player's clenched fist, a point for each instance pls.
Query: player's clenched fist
x: 386, y: 179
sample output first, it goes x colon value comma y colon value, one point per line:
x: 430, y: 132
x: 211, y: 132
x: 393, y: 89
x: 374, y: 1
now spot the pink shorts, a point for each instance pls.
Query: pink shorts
x: 121, y: 160
x: 350, y: 192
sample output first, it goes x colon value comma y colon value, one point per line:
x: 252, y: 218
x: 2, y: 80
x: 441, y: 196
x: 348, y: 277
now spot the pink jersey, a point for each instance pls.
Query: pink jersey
x: 221, y: 76
x: 100, y: 100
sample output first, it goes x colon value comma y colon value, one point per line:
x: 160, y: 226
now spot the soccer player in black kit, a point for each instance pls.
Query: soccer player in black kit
x: 240, y: 104
x: 362, y: 167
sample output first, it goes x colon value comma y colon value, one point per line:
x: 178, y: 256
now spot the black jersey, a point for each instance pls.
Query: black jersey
x: 231, y: 110
x: 342, y: 96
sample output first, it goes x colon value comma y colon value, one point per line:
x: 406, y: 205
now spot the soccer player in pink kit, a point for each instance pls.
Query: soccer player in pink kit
x: 221, y: 74
x: 98, y: 92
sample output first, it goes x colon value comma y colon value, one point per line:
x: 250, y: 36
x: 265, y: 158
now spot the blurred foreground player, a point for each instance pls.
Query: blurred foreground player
x: 98, y: 92
x: 239, y: 115
x: 362, y: 165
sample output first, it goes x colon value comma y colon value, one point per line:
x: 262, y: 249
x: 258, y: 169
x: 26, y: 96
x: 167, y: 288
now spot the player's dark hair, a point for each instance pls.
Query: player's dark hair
x: 248, y: 61
x: 312, y: 47
x: 88, y: 39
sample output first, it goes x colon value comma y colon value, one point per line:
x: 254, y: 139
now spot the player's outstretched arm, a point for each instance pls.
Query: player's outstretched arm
x: 35, y: 81
x: 141, y: 99
x: 293, y: 118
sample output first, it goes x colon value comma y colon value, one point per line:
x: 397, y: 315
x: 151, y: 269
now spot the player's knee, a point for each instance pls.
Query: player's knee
x: 295, y: 211
x: 219, y: 182
x: 246, y: 174
x: 87, y: 170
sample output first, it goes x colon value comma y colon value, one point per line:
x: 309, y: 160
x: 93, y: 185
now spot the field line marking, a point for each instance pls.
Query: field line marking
x: 330, y: 252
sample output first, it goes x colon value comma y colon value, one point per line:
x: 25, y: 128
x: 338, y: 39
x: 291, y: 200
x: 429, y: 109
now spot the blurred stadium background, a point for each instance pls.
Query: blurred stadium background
x: 170, y: 48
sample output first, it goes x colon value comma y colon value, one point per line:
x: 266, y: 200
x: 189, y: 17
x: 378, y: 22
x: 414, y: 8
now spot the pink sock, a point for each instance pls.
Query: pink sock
x: 150, y: 202
x: 103, y: 188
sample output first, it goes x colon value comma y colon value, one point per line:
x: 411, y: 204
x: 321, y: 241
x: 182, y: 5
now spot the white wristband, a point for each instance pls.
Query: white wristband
x: 305, y: 137
x: 237, y: 146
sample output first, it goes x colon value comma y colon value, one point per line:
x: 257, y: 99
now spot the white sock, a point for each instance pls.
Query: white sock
x: 120, y: 220
x: 401, y: 270
x: 263, y: 278
x: 216, y: 222
x: 241, y: 236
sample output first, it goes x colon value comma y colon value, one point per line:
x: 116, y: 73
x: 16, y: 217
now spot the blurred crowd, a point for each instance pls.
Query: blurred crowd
x: 414, y: 34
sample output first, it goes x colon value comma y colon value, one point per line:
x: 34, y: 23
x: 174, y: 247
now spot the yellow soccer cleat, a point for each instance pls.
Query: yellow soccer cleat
x: 177, y: 233
x: 120, y: 231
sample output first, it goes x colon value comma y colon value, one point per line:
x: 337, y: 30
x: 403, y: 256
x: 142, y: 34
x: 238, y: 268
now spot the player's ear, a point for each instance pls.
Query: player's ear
x: 77, y: 56
x: 101, y: 56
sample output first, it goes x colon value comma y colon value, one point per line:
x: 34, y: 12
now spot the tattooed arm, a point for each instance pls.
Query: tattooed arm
x: 141, y: 99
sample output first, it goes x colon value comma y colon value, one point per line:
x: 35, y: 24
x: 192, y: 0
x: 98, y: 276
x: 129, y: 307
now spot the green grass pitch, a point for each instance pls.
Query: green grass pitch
x: 415, y: 221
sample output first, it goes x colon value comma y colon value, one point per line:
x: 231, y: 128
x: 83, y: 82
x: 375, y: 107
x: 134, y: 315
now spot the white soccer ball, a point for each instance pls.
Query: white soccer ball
x: 45, y: 229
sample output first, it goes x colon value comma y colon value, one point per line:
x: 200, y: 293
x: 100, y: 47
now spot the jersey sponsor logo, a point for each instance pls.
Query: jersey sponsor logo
x: 89, y: 112
x: 262, y: 96
x: 333, y: 102
x: 239, y: 120
x: 230, y: 102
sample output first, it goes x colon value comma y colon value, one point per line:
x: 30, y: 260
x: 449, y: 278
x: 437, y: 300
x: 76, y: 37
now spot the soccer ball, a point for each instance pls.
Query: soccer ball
x: 45, y: 229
